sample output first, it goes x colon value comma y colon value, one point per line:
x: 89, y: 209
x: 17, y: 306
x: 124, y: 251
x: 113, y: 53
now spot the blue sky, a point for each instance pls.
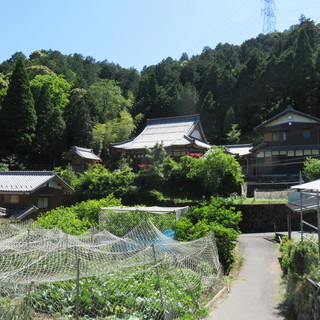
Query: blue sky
x: 134, y: 33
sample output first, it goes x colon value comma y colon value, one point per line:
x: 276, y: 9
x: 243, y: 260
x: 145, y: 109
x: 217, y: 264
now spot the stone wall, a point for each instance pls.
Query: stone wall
x: 269, y: 218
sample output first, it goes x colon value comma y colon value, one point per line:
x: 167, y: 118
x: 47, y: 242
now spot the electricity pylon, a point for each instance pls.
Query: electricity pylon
x: 269, y: 18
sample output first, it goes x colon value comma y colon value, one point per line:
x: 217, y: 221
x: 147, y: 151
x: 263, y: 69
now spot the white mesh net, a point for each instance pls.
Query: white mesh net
x: 47, y: 274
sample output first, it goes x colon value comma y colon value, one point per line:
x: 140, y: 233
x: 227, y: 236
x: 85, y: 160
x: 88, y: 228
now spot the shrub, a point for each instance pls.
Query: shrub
x: 299, y: 257
x: 77, y: 218
x: 67, y: 174
x: 216, y: 218
x: 311, y: 168
x: 220, y: 172
x: 99, y: 182
x: 300, y: 260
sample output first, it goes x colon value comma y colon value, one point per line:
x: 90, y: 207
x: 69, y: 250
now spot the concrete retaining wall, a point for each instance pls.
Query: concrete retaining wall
x: 269, y: 218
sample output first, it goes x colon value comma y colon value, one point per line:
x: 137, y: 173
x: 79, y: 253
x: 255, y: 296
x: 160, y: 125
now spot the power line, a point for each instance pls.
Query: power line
x: 222, y: 24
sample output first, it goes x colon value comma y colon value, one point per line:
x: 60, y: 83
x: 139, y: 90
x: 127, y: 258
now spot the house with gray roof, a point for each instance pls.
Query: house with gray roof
x: 179, y: 136
x: 24, y: 194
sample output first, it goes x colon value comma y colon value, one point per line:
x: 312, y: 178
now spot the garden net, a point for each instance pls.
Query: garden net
x: 47, y: 274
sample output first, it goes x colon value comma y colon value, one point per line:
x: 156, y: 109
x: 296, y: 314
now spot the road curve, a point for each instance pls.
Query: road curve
x: 255, y: 293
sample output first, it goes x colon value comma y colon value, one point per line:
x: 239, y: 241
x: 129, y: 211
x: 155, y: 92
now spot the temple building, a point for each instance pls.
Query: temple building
x: 180, y: 136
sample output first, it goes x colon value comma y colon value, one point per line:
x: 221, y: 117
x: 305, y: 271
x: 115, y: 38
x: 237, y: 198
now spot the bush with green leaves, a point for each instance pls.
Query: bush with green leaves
x: 220, y: 172
x: 67, y: 174
x: 311, y: 168
x: 98, y: 182
x: 178, y: 180
x: 77, y: 218
x: 213, y: 217
x: 300, y: 262
x: 299, y: 257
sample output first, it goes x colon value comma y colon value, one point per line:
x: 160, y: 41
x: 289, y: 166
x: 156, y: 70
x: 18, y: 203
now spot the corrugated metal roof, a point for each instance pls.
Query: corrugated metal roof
x: 311, y: 186
x: 27, y: 181
x: 238, y: 150
x: 168, y: 131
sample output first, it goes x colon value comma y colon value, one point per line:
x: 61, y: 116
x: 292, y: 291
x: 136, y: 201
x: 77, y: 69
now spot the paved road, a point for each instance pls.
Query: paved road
x: 255, y: 293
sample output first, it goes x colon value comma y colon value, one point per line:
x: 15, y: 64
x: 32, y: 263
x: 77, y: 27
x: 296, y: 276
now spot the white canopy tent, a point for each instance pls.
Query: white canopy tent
x: 154, y: 209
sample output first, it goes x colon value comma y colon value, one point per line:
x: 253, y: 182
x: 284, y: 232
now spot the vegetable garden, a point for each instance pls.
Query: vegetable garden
x: 48, y: 274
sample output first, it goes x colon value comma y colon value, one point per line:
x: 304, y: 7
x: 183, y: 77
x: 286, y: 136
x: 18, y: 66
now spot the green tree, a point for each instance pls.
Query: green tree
x: 311, y: 168
x: 115, y: 130
x: 58, y: 89
x: 34, y: 71
x: 50, y: 129
x: 67, y: 174
x: 186, y: 100
x: 108, y: 98
x: 99, y: 182
x: 79, y: 122
x: 220, y: 172
x: 233, y: 136
x: 18, y: 116
x: 229, y: 120
x: 303, y: 72
x: 153, y: 177
x: 4, y: 83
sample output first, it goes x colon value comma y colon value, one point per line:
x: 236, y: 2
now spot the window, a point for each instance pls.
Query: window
x: 290, y: 153
x: 278, y: 136
x: 43, y: 202
x: 307, y: 152
x: 299, y: 152
x: 306, y: 134
x: 11, y: 198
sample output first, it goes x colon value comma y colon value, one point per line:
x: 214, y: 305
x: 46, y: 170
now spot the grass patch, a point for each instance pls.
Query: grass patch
x: 258, y: 201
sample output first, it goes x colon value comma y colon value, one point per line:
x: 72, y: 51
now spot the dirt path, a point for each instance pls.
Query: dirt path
x: 255, y: 293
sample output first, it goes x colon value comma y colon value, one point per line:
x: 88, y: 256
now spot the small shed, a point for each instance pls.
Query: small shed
x: 81, y: 158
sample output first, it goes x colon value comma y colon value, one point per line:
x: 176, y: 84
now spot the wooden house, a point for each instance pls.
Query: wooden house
x: 179, y: 135
x: 24, y: 194
x: 288, y: 139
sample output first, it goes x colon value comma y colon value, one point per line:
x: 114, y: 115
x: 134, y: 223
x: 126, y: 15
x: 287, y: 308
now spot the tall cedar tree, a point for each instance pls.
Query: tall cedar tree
x: 79, y: 123
x: 50, y: 130
x: 18, y: 116
x: 303, y: 72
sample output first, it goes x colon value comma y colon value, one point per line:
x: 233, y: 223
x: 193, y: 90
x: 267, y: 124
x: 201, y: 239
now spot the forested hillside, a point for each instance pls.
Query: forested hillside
x: 50, y: 101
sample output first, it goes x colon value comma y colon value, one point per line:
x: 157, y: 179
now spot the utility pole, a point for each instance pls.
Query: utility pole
x: 269, y: 17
